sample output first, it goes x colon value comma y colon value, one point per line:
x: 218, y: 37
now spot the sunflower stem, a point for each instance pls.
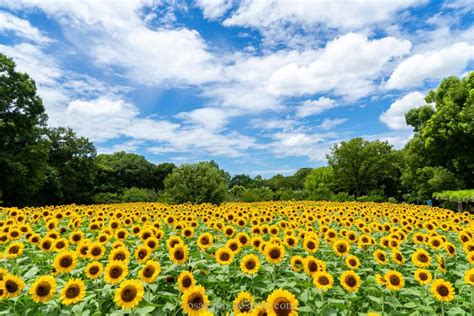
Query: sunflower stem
x: 442, y: 309
x: 383, y: 302
x: 472, y: 300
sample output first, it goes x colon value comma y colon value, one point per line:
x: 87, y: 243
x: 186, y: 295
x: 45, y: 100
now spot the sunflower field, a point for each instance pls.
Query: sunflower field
x: 269, y: 258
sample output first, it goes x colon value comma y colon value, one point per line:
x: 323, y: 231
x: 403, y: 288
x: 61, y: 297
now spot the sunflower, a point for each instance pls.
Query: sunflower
x: 76, y: 237
x: 13, y: 285
x: 194, y: 301
x: 250, y: 264
x: 296, y: 263
x: 205, y: 240
x: 341, y: 247
x: 65, y: 261
x: 96, y: 250
x: 119, y: 254
x: 380, y: 257
x: 179, y: 254
x: 274, y: 253
x: 350, y: 281
x: 185, y: 281
x: 94, y: 270
x: 470, y: 257
x: 380, y: 280
x: 142, y: 253
x: 469, y: 277
x: 397, y: 257
x: 423, y: 276
x: 46, y: 244
x: 442, y: 290
x: 150, y: 271
x: 14, y: 250
x: 313, y: 265
x: 73, y: 292
x: 311, y: 244
x: 260, y: 309
x: 243, y: 303
x: 323, y: 280
x: 43, y: 289
x: 352, y: 262
x: 394, y: 280
x: 421, y: 258
x: 282, y: 302
x: 115, y: 272
x: 129, y: 294
x: 441, y: 266
x: 224, y: 256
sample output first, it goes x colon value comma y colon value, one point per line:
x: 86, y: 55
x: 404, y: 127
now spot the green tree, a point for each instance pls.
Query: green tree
x: 361, y: 166
x: 23, y: 151
x: 72, y: 169
x: 320, y: 183
x: 138, y: 195
x: 122, y: 170
x: 160, y: 173
x: 197, y: 183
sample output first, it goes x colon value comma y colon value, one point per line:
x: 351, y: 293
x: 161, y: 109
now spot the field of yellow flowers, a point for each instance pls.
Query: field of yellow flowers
x: 272, y: 258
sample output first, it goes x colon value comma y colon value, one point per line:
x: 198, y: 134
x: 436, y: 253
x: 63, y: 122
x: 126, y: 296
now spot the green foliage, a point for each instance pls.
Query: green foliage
x: 320, y: 183
x: 24, y: 153
x: 201, y: 182
x: 445, y: 134
x: 360, y: 166
x: 138, y: 195
x: 455, y: 196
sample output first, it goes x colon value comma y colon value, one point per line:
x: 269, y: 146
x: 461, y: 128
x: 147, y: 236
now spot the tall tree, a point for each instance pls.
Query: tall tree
x: 446, y: 133
x: 197, y: 183
x: 320, y: 183
x: 360, y: 166
x: 72, y: 168
x: 23, y: 151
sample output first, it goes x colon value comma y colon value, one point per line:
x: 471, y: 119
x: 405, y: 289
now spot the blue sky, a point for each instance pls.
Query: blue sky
x: 261, y: 87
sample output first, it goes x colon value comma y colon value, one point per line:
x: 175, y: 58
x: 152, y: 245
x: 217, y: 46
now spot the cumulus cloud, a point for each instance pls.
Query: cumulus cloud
x: 348, y: 65
x: 436, y: 64
x: 394, y: 117
x: 313, y: 107
x: 328, y: 124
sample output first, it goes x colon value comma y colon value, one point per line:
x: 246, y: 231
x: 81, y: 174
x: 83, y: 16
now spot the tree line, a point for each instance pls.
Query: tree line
x: 40, y: 165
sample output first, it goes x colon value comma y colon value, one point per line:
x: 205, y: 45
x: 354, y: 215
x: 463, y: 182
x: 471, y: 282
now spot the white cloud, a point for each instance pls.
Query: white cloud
x: 116, y: 36
x: 213, y: 9
x: 413, y: 71
x: 211, y: 118
x: 21, y: 28
x: 348, y: 65
x: 313, y: 107
x: 394, y: 117
x: 353, y: 14
x: 328, y: 124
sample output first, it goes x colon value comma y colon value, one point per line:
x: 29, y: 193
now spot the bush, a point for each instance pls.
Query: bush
x: 106, y: 198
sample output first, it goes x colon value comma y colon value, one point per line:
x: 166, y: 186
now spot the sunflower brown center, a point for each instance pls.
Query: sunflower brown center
x: 323, y: 280
x: 443, y: 290
x: 204, y: 240
x: 224, y: 256
x: 14, y: 250
x: 128, y: 293
x: 313, y: 266
x: 282, y: 307
x: 187, y: 282
x: 341, y: 248
x: 394, y: 280
x: 65, y: 262
x: 311, y: 245
x: 43, y: 289
x: 275, y: 253
x: 250, y: 264
x: 352, y: 262
x: 179, y: 254
x: 142, y: 254
x: 46, y: 245
x: 94, y: 270
x: 72, y: 291
x: 233, y: 246
x: 119, y: 256
x: 196, y: 301
x: 115, y: 272
x: 422, y: 257
x: 244, y: 306
x: 351, y: 281
x: 148, y: 271
x: 96, y: 251
x: 423, y: 276
x: 11, y: 286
